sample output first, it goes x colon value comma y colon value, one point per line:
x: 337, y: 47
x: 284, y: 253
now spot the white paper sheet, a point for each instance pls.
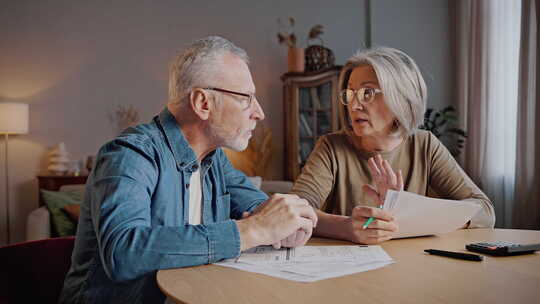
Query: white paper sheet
x: 419, y: 215
x: 310, y: 263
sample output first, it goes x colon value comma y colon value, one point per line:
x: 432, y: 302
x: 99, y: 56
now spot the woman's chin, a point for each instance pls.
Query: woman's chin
x: 361, y: 130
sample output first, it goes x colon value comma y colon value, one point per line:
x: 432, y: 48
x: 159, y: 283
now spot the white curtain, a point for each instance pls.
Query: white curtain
x: 487, y: 50
x: 527, y: 205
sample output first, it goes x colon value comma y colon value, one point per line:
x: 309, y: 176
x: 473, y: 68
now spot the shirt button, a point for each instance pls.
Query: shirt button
x: 187, y: 186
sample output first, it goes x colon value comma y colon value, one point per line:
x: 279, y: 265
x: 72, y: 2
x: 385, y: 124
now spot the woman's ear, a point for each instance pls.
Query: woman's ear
x: 199, y: 101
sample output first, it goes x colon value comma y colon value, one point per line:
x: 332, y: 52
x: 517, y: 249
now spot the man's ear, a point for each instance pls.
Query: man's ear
x: 199, y: 100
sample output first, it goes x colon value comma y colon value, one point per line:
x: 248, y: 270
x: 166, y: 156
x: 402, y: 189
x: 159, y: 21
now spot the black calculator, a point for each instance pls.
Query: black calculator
x: 501, y: 248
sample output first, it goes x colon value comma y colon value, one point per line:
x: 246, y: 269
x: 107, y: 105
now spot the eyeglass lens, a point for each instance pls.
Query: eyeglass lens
x: 363, y: 94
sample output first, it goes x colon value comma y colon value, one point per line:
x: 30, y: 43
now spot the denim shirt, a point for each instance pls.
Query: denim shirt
x: 134, y: 218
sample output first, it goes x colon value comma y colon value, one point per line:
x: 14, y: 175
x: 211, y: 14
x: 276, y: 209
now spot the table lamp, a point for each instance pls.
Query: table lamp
x: 13, y: 120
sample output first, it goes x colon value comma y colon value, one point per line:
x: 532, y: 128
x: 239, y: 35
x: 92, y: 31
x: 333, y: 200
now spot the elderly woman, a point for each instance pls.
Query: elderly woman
x: 348, y: 173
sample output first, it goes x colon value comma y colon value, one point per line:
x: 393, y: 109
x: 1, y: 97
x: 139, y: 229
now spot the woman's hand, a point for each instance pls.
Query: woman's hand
x: 380, y: 230
x: 384, y: 179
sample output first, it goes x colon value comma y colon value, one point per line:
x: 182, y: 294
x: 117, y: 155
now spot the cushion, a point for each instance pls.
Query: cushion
x: 38, y: 225
x: 73, y: 188
x: 73, y: 211
x: 55, y: 201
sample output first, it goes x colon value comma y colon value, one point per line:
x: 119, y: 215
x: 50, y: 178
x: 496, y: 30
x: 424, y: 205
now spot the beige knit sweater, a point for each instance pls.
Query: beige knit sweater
x: 333, y: 176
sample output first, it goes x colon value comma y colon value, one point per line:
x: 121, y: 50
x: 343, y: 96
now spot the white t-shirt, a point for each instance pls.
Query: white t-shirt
x: 195, y: 198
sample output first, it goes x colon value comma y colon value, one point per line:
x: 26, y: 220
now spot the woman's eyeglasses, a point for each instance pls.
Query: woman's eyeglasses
x: 365, y: 95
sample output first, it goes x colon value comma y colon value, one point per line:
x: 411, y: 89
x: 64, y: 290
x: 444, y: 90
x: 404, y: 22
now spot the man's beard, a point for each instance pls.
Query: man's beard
x: 222, y: 138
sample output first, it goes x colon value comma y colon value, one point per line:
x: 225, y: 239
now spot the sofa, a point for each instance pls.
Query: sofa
x: 39, y: 225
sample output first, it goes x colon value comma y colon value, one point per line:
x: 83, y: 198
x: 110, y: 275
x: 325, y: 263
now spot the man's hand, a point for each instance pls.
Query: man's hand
x: 299, y: 238
x: 380, y: 230
x: 279, y: 218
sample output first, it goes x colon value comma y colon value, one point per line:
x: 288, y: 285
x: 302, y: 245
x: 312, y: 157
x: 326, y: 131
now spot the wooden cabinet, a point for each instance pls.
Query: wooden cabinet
x: 311, y: 110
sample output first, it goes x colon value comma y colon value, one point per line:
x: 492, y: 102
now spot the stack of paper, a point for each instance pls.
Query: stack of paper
x: 418, y: 215
x: 310, y: 263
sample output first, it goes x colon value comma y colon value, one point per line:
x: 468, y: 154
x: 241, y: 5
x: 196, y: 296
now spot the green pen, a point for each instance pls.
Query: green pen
x: 370, y: 220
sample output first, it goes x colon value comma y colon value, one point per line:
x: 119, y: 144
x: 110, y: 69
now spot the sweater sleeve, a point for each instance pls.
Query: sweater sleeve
x: 316, y: 180
x: 449, y: 181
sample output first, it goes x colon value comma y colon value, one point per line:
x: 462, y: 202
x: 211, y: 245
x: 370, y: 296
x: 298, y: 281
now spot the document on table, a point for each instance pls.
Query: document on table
x: 419, y: 215
x: 310, y: 263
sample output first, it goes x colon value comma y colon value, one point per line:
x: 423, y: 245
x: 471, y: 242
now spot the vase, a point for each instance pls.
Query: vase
x: 296, y: 60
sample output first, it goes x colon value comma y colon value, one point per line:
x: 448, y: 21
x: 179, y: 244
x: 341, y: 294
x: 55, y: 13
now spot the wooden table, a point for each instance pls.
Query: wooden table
x: 414, y: 278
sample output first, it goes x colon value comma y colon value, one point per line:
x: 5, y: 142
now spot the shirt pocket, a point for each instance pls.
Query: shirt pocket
x: 223, y: 206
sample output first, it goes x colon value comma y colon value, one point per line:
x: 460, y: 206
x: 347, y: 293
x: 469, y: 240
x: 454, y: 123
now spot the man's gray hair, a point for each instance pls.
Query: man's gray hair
x: 401, y: 82
x: 196, y: 65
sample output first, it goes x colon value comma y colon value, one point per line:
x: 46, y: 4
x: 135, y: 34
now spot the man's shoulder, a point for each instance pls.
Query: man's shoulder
x: 139, y: 137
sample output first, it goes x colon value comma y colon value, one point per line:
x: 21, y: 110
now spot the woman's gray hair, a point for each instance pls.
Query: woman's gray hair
x: 401, y: 82
x: 196, y: 65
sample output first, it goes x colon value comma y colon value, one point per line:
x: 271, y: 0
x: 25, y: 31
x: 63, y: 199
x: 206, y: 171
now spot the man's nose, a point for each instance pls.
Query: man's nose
x: 258, y: 114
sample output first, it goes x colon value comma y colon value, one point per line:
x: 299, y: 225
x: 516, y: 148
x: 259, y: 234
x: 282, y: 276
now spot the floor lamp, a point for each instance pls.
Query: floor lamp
x: 13, y: 120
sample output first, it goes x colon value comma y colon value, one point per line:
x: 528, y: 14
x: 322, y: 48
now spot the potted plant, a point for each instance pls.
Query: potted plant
x: 295, y: 55
x: 443, y: 125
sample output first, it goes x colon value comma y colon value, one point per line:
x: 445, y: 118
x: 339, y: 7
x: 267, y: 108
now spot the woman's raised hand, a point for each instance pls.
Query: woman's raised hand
x: 384, y: 179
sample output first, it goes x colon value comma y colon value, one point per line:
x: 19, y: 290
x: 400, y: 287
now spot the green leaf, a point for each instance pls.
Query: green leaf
x: 441, y: 123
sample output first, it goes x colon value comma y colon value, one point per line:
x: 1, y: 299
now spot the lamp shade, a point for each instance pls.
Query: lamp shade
x: 13, y: 118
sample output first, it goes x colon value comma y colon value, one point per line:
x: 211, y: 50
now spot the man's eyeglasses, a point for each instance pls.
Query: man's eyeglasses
x: 250, y: 97
x: 365, y: 95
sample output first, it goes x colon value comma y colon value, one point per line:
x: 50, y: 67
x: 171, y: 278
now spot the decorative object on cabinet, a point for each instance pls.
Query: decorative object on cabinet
x: 13, y: 120
x: 295, y: 55
x: 311, y: 110
x: 296, y: 59
x: 319, y: 57
x: 58, y: 160
x: 286, y: 32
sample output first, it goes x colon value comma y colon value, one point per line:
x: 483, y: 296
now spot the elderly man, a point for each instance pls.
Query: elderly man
x: 164, y: 195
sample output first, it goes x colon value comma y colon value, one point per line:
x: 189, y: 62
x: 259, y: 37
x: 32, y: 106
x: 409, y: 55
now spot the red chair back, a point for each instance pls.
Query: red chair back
x: 34, y: 271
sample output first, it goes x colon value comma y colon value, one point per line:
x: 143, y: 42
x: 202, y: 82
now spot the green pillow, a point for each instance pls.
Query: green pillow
x: 55, y: 201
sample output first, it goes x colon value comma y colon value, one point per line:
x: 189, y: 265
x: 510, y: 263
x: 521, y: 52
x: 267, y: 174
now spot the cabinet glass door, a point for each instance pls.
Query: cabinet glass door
x: 314, y: 117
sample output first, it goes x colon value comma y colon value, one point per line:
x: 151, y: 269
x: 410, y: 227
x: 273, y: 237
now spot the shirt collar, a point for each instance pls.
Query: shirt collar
x: 183, y: 153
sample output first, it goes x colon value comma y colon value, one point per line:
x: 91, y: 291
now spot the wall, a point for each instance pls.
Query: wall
x: 75, y: 61
x: 421, y: 29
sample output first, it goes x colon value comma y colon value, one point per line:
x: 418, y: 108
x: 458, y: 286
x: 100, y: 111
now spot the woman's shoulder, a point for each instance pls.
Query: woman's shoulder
x: 424, y: 138
x: 425, y: 142
x: 337, y: 140
x: 336, y: 136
